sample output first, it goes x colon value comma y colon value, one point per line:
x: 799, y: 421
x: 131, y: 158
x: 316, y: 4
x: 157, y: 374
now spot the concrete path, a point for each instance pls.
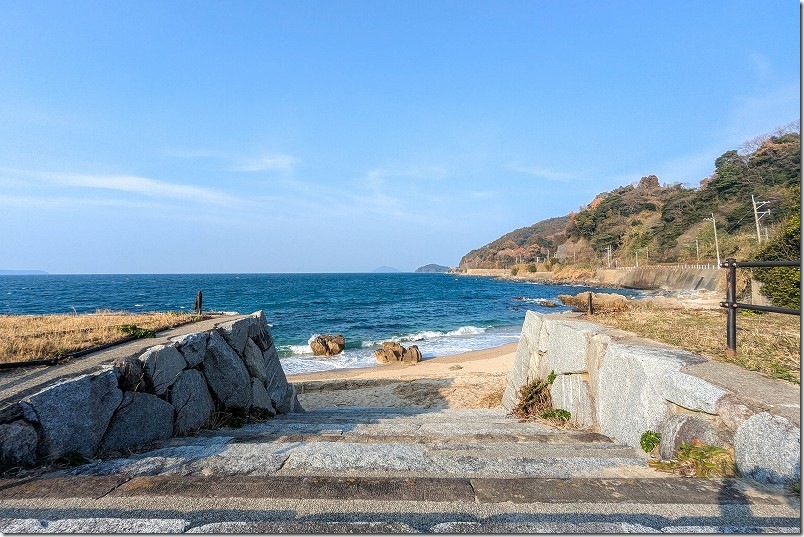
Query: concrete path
x: 386, y: 470
x: 18, y: 383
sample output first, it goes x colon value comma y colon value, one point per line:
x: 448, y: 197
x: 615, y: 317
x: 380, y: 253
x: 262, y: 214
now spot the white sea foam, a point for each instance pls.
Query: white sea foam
x: 463, y: 339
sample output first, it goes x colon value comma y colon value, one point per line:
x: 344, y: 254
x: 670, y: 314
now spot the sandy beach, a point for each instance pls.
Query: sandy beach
x: 469, y: 380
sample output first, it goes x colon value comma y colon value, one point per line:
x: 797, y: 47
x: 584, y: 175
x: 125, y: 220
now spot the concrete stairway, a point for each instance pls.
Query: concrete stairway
x: 378, y: 470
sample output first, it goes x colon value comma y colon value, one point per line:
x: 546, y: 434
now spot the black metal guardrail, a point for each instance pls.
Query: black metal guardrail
x: 731, y: 296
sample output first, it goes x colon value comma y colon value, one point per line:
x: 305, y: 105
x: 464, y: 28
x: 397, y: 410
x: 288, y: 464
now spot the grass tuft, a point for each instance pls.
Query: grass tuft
x: 767, y: 343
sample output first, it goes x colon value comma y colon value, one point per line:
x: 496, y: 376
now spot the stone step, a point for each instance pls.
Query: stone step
x: 111, y: 525
x: 477, y: 425
x: 247, y: 504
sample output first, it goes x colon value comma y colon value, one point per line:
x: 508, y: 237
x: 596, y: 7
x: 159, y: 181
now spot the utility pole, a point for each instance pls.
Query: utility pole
x: 717, y: 247
x: 609, y: 251
x: 758, y: 215
x: 697, y: 252
x: 636, y: 253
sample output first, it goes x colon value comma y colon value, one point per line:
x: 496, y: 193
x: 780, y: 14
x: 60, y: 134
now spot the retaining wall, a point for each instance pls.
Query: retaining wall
x: 677, y: 278
x: 168, y: 390
x: 621, y: 386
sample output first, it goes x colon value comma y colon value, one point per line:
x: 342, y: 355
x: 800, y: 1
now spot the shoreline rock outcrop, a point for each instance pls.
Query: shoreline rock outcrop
x: 328, y: 345
x: 393, y: 352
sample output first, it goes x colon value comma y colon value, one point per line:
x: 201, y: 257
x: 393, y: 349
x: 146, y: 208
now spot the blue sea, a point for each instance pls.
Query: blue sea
x: 440, y: 313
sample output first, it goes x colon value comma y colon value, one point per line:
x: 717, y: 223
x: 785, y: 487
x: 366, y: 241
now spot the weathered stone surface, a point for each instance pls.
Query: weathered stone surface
x: 571, y: 393
x: 255, y: 361
x: 568, y: 344
x: 260, y: 332
x: 161, y: 366
x: 390, y: 352
x: 525, y: 350
x: 131, y: 377
x: 236, y: 333
x: 12, y: 412
x: 74, y: 414
x: 688, y: 391
x: 95, y: 525
x: 685, y: 428
x: 627, y: 403
x: 191, y: 401
x: 277, y: 383
x: 768, y: 448
x: 18, y: 443
x: 289, y: 402
x: 140, y: 419
x: 412, y: 355
x: 328, y: 344
x: 192, y: 347
x: 226, y: 374
x: 260, y: 400
x: 732, y: 412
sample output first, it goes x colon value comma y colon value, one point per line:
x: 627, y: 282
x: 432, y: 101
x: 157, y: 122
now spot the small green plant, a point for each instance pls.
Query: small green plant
x: 556, y: 414
x: 534, y: 398
x: 136, y: 331
x: 699, y: 460
x: 514, y: 271
x: 649, y: 440
x: 551, y: 377
x: 532, y: 267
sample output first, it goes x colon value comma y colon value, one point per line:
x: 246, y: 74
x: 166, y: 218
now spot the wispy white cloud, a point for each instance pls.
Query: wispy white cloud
x: 414, y: 172
x: 142, y: 186
x: 148, y: 187
x: 239, y: 162
x: 267, y: 163
x: 545, y: 173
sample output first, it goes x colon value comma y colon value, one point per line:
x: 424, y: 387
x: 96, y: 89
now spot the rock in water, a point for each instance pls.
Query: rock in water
x: 328, y: 345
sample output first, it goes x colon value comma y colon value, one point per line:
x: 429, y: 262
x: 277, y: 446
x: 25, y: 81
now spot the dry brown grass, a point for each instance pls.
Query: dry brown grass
x: 36, y: 337
x: 767, y: 343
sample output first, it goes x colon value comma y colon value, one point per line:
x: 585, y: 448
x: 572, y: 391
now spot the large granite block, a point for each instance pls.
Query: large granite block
x: 768, y: 448
x: 18, y: 444
x: 140, y: 419
x: 571, y: 393
x: 521, y: 371
x: 226, y: 374
x: 192, y: 347
x: 191, y: 401
x: 73, y: 415
x: 627, y: 401
x: 161, y: 365
x: 566, y: 344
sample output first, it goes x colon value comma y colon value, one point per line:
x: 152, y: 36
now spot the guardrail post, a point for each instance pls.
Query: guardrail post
x: 731, y: 309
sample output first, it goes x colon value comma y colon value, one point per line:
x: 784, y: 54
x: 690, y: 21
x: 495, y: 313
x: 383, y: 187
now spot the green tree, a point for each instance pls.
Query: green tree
x: 782, y: 285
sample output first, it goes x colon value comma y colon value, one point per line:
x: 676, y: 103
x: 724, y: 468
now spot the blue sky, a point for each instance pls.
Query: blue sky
x: 339, y: 136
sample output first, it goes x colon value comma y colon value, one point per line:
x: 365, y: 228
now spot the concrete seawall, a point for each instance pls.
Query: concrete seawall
x: 674, y: 278
x: 621, y: 386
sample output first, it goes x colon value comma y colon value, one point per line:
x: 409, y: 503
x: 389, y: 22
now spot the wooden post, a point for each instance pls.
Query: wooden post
x: 589, y: 309
x: 199, y: 298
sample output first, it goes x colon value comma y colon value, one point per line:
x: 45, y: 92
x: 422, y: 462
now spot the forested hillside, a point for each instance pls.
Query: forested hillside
x: 663, y: 223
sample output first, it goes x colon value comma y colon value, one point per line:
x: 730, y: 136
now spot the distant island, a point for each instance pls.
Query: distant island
x: 7, y: 272
x: 385, y: 269
x: 432, y: 268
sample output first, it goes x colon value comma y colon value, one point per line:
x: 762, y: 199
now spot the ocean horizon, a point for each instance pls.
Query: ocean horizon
x: 440, y: 313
